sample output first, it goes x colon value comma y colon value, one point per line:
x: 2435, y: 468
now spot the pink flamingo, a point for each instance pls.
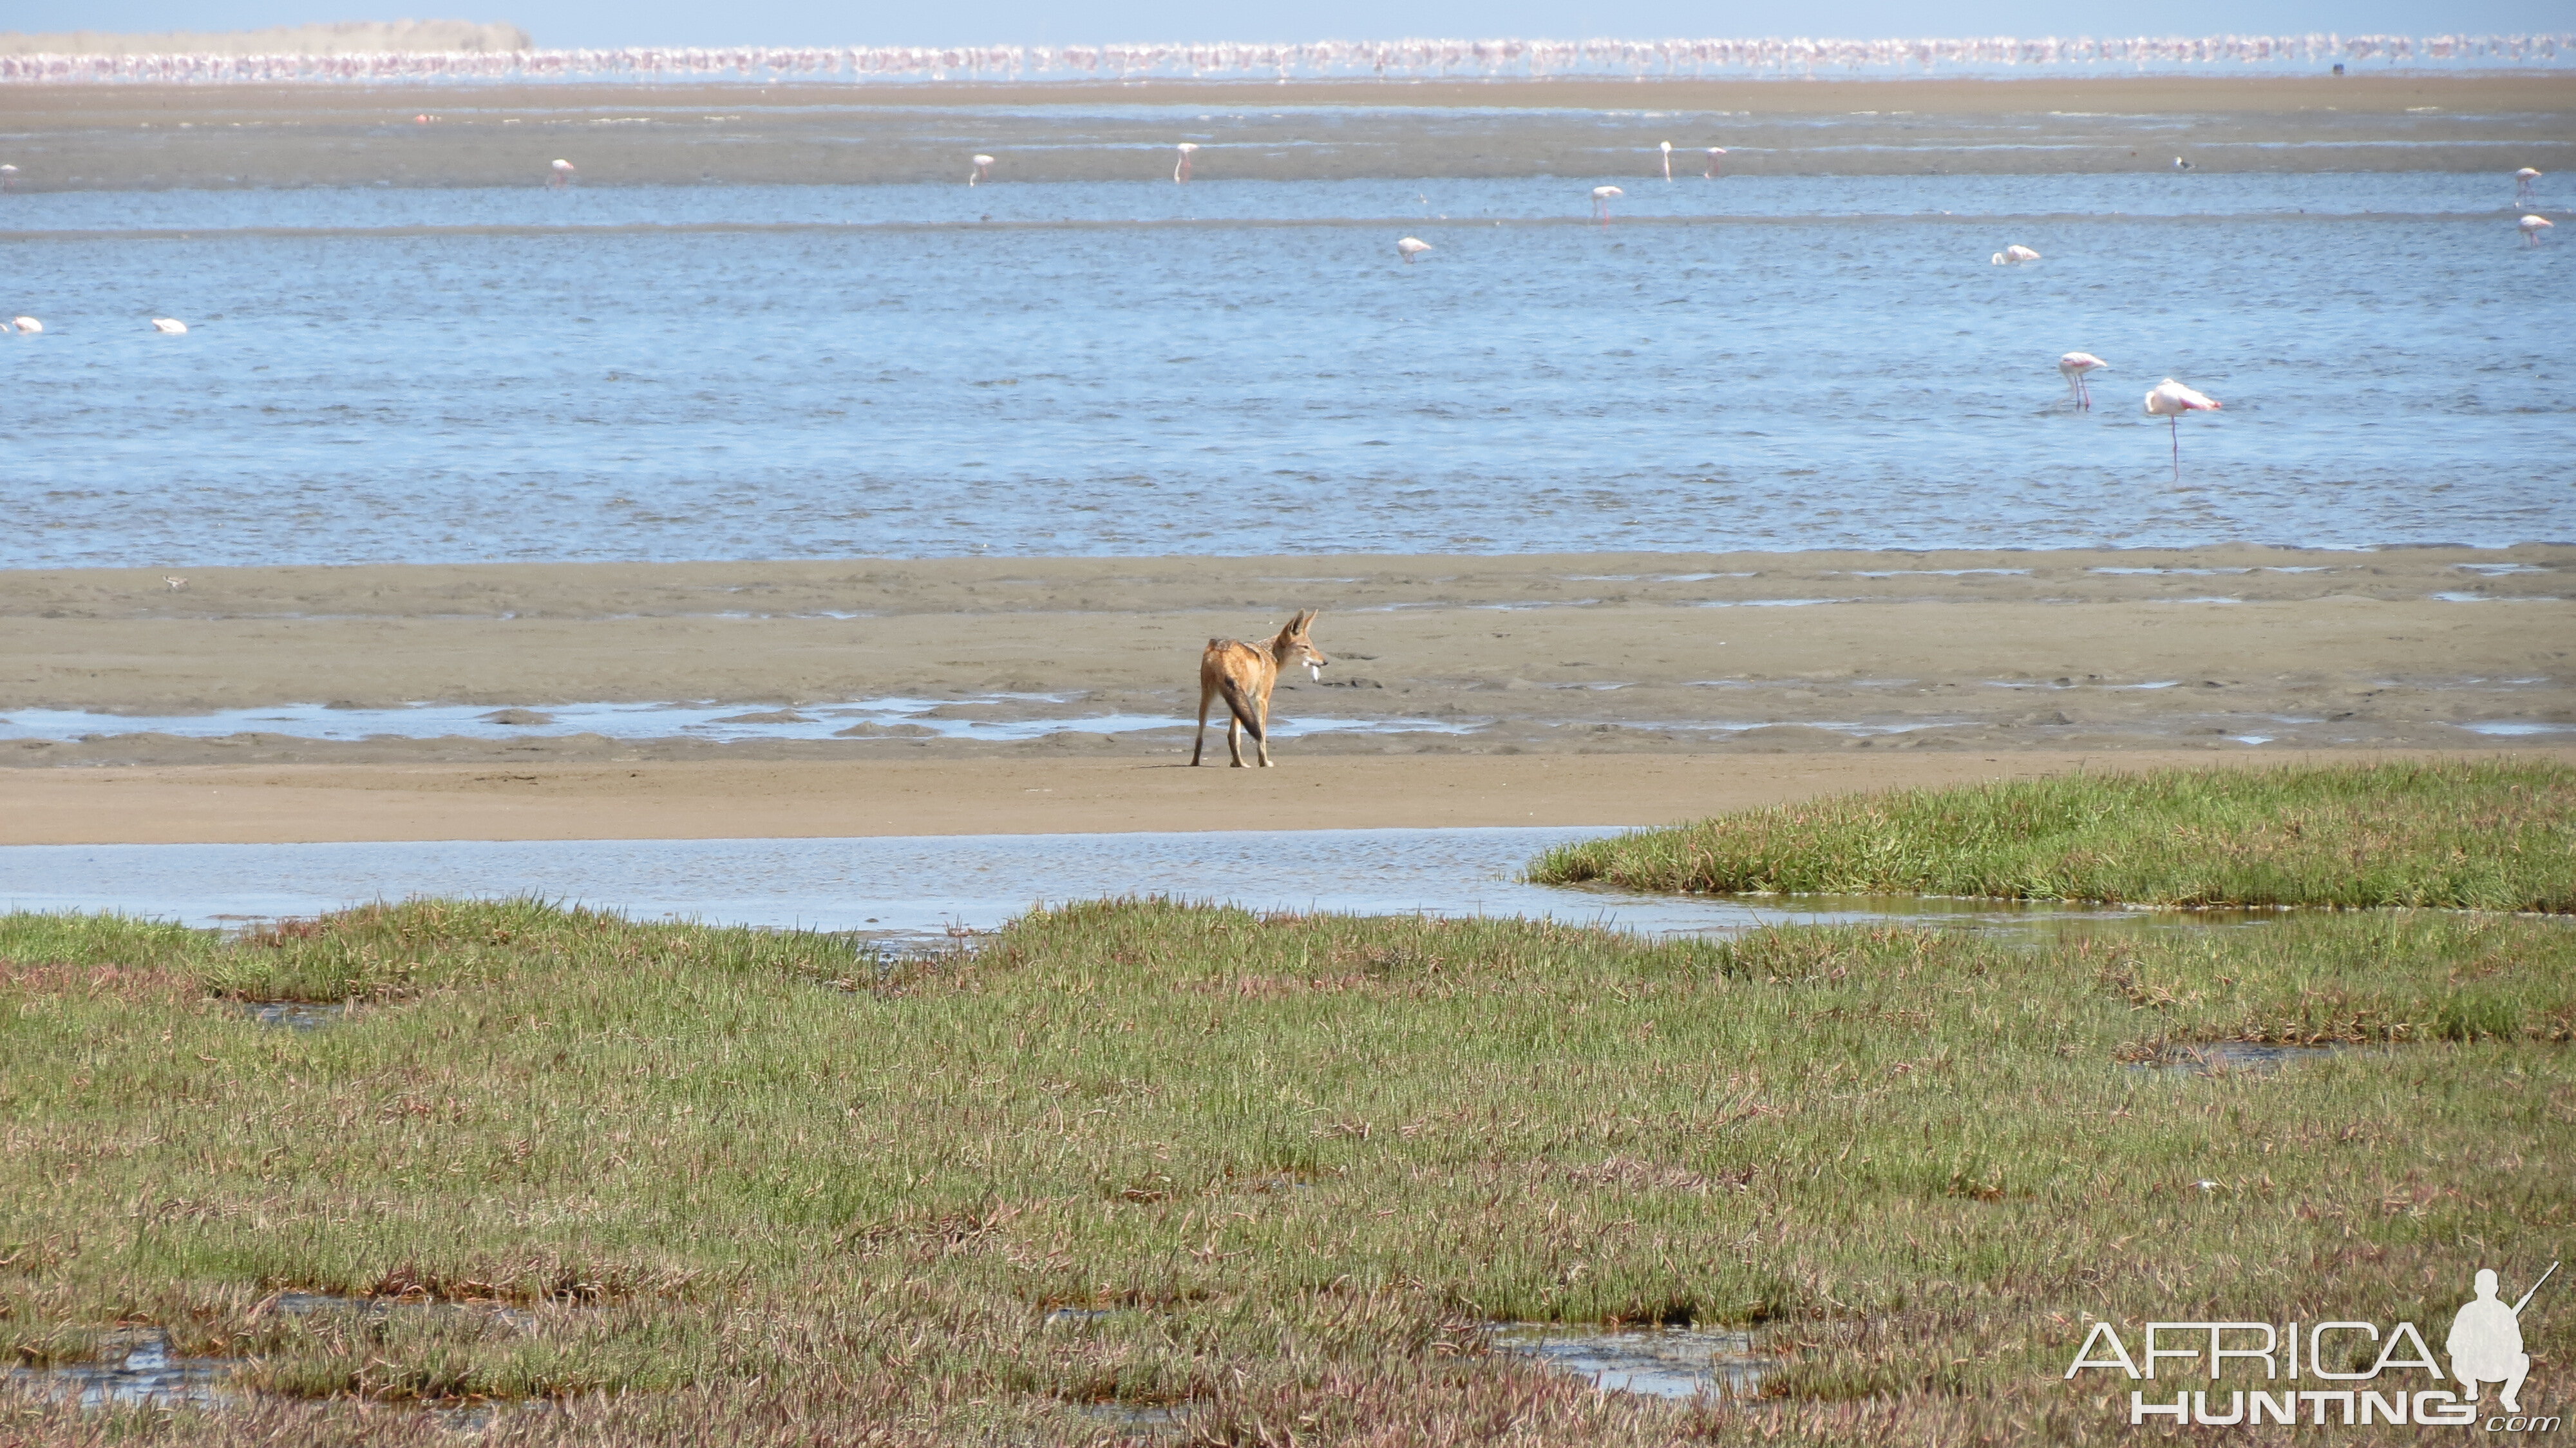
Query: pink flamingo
x: 2522, y: 180
x: 2072, y: 367
x: 983, y: 169
x: 1411, y: 247
x: 1601, y: 201
x: 2532, y: 226
x: 562, y: 174
x: 1716, y: 160
x: 1181, y: 172
x: 1668, y: 160
x: 8, y: 177
x: 2170, y: 400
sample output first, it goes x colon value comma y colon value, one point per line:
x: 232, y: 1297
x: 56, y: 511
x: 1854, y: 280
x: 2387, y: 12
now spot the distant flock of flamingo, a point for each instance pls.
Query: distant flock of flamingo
x: 2168, y: 399
x: 29, y: 326
x: 1493, y: 59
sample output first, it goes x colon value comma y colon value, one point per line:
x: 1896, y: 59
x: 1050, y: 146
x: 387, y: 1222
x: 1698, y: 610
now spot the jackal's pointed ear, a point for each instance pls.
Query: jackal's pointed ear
x: 1304, y: 620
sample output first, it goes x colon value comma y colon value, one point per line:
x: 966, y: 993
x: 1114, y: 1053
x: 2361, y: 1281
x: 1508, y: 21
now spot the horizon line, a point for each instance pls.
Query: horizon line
x: 1504, y: 58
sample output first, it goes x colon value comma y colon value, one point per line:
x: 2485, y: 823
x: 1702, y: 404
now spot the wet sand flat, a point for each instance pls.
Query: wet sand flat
x: 1576, y: 689
x: 722, y: 799
x: 125, y: 136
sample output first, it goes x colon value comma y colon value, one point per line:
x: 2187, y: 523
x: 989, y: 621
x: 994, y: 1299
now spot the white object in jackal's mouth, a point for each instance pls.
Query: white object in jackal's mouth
x: 1316, y: 669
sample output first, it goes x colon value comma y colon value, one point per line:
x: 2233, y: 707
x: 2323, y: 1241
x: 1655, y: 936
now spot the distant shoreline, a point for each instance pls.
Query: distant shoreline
x: 486, y: 53
x: 2509, y: 90
x: 153, y: 136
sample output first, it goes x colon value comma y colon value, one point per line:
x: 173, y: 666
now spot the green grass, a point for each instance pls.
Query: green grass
x: 769, y: 1189
x: 2491, y: 835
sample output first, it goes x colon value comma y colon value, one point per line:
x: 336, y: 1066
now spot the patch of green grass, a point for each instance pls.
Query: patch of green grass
x: 720, y: 1185
x: 2488, y: 835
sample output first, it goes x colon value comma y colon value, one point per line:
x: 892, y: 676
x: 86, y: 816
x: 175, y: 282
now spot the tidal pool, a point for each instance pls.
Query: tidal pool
x: 923, y: 886
x: 1659, y: 1362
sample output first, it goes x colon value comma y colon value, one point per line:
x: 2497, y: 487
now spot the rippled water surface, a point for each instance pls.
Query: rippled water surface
x: 1792, y: 362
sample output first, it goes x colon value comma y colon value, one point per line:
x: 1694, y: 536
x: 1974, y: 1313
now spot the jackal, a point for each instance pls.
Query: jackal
x: 1244, y: 673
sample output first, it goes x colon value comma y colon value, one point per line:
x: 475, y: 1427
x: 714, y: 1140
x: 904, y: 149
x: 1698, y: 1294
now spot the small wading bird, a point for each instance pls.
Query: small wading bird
x: 983, y: 169
x: 175, y: 581
x: 1668, y: 160
x: 1716, y: 159
x: 2170, y: 400
x: 1411, y: 247
x: 1243, y: 675
x: 2181, y: 165
x: 2072, y: 367
x: 2012, y: 254
x: 562, y: 172
x: 169, y: 326
x: 2532, y: 226
x: 27, y: 324
x: 1601, y: 201
x: 1181, y: 169
x: 2522, y: 180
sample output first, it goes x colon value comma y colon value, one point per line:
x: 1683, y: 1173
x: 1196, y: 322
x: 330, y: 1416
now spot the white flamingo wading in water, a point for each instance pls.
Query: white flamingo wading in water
x: 2170, y: 400
x: 2072, y: 367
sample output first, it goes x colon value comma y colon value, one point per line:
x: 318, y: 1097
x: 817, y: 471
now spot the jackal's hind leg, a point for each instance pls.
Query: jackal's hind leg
x: 1204, y: 691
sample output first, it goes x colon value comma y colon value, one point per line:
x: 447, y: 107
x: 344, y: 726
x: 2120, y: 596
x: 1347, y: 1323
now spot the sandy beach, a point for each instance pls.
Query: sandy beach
x: 1548, y: 689
x: 718, y: 799
x: 148, y: 136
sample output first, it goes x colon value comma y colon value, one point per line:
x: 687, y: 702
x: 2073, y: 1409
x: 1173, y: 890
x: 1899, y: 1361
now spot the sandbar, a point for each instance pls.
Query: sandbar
x: 1593, y: 688
x: 147, y: 136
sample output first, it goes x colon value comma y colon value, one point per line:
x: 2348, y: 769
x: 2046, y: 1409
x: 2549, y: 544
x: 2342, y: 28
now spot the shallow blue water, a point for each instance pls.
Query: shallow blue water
x: 1245, y: 368
x: 911, y: 885
x: 2420, y: 193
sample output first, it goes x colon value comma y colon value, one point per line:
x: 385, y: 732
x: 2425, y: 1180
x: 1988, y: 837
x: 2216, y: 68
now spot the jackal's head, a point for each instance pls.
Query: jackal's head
x: 1294, y: 647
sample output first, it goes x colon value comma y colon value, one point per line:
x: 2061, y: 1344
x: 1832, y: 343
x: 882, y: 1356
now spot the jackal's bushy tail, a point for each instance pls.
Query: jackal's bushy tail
x: 1240, y: 707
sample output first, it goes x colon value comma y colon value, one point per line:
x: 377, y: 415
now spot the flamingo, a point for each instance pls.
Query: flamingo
x: 2532, y: 226
x: 1668, y: 160
x: 2170, y: 400
x: 2072, y: 367
x: 983, y: 169
x: 562, y: 173
x: 28, y: 325
x: 8, y: 177
x: 1601, y: 201
x: 169, y: 326
x: 2012, y: 254
x: 1411, y: 247
x: 1716, y: 158
x: 1181, y: 172
x: 2522, y: 180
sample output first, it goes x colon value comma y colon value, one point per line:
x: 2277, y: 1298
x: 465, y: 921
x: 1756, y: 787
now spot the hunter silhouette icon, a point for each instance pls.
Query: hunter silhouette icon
x: 2486, y: 1340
